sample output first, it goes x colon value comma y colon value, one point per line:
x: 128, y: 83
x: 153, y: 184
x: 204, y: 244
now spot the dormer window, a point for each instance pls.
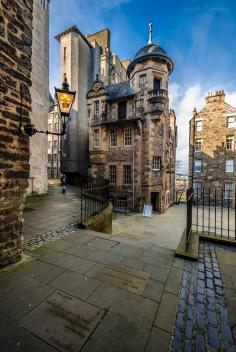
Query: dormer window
x: 96, y: 108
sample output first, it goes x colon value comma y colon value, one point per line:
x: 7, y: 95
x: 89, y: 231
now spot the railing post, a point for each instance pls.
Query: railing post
x: 189, y: 216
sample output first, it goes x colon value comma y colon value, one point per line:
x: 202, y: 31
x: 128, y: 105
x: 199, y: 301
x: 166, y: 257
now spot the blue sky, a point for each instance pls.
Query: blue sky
x: 199, y: 36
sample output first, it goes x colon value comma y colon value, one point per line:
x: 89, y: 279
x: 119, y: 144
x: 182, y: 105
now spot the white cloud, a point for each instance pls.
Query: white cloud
x: 183, y: 100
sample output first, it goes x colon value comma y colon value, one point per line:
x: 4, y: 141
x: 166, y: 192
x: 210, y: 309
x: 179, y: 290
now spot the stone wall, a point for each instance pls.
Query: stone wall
x: 15, y: 71
x: 38, y: 182
x: 101, y: 222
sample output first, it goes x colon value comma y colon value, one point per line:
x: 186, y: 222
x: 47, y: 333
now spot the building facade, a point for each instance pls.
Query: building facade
x: 132, y: 133
x: 54, y: 142
x: 15, y: 77
x: 212, y: 156
x: 38, y: 181
x: 82, y: 57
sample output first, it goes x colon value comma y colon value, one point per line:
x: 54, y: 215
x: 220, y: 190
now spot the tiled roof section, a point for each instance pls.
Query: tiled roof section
x: 73, y: 29
x: 119, y: 90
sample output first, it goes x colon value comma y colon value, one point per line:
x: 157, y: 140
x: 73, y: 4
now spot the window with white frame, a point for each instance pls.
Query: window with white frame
x: 230, y: 143
x: 198, y: 145
x: 197, y: 166
x: 127, y: 174
x: 229, y: 190
x: 112, y: 174
x: 127, y: 137
x: 96, y: 107
x: 198, y: 125
x: 229, y: 165
x: 156, y: 163
x: 197, y: 187
x: 230, y: 121
x: 113, y: 138
x: 96, y: 139
x: 142, y: 80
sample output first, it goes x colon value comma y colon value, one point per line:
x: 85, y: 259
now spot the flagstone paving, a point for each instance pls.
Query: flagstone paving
x: 93, y: 299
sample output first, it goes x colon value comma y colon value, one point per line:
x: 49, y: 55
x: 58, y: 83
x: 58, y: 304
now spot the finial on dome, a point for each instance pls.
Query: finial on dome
x: 150, y: 34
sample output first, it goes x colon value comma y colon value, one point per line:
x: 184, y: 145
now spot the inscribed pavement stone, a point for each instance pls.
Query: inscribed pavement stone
x: 158, y: 338
x: 14, y: 338
x: 75, y: 284
x: 166, y: 312
x: 117, y: 334
x: 129, y: 279
x: 124, y: 303
x: 63, y: 321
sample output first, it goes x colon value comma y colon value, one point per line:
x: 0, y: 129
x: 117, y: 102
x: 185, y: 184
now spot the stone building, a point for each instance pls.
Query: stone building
x: 81, y: 59
x: 212, y: 158
x: 15, y: 77
x: 132, y: 132
x: 54, y: 142
x: 38, y: 182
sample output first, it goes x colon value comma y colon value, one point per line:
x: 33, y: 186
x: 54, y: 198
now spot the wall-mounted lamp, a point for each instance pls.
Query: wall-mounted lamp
x: 65, y: 99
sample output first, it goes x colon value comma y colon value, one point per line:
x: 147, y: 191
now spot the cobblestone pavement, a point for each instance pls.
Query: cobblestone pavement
x: 202, y: 320
x: 47, y: 237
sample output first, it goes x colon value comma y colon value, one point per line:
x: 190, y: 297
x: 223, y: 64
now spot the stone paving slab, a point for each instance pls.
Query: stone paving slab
x: 23, y: 298
x: 158, y: 341
x: 77, y: 285
x: 153, y: 290
x: 126, y: 304
x: 117, y: 334
x: 157, y: 257
x: 104, y: 257
x: 157, y: 273
x: 15, y: 339
x: 128, y: 250
x: 79, y: 250
x: 76, y: 264
x: 101, y: 243
x: 166, y: 312
x: 63, y: 321
x: 129, y: 279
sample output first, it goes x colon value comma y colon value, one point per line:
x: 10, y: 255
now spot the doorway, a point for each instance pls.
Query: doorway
x: 155, y: 201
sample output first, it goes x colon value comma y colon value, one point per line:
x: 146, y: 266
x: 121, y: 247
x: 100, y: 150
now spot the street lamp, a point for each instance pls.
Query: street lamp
x: 65, y: 99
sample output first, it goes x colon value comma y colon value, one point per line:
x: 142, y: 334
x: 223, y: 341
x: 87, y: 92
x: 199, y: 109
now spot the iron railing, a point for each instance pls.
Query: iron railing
x: 94, y: 197
x: 211, y: 212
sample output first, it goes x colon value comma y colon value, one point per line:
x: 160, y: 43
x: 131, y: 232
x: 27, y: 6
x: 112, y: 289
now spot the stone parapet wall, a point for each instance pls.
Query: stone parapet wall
x: 101, y: 222
x: 15, y: 72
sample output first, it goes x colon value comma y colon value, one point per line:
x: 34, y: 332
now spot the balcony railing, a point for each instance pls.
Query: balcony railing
x: 158, y: 94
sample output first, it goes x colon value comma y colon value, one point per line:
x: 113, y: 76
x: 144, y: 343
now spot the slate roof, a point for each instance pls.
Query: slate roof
x: 119, y: 90
x: 150, y: 50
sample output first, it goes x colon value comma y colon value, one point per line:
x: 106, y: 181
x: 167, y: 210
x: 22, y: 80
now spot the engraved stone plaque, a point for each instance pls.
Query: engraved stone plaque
x: 124, y: 277
x: 63, y: 321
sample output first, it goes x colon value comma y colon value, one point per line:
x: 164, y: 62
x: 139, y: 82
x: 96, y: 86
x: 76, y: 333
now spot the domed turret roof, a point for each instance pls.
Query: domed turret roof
x: 150, y: 50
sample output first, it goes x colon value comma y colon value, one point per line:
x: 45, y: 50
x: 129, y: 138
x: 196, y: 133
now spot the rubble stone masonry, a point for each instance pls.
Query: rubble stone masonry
x: 15, y: 72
